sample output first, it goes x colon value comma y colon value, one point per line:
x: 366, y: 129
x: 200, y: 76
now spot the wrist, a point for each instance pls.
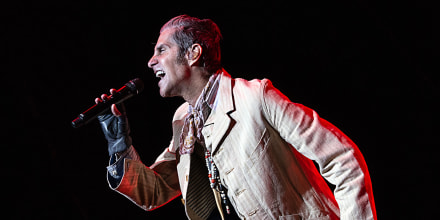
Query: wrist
x: 121, y: 154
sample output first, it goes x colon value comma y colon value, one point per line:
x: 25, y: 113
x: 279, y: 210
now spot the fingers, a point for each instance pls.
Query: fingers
x: 113, y: 91
x: 113, y: 108
x: 105, y: 97
x: 98, y: 100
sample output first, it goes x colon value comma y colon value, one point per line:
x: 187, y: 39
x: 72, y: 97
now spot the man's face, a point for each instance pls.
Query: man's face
x: 165, y: 64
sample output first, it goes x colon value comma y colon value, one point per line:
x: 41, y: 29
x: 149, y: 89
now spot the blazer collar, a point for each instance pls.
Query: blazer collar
x: 220, y: 119
x: 226, y: 103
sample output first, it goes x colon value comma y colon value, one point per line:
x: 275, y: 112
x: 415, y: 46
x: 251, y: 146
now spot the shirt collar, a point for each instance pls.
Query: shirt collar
x: 209, y: 93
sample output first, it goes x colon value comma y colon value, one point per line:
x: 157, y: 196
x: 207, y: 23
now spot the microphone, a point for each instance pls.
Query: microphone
x: 130, y: 89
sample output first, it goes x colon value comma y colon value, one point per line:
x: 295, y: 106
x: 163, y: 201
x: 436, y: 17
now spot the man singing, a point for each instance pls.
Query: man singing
x: 240, y: 149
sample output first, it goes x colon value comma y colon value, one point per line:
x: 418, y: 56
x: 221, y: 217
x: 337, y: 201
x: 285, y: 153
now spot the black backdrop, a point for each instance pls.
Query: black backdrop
x: 366, y: 66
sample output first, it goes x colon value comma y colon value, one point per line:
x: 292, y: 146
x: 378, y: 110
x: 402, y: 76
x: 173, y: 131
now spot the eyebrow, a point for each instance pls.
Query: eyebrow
x: 160, y: 46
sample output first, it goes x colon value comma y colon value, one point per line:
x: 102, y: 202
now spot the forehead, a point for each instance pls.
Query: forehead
x: 165, y: 38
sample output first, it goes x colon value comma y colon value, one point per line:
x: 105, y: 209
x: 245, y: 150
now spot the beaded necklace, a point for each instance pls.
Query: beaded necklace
x: 214, y: 178
x: 194, y: 122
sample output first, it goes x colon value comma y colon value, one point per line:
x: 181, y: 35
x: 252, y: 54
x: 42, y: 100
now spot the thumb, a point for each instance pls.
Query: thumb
x: 115, y: 111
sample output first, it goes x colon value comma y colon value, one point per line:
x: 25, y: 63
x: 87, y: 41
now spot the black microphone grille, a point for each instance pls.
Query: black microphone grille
x: 135, y: 85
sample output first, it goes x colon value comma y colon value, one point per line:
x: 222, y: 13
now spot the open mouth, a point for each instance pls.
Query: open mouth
x: 160, y: 74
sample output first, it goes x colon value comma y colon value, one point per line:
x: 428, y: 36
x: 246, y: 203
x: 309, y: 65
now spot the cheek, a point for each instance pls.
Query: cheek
x: 178, y: 70
x: 169, y: 64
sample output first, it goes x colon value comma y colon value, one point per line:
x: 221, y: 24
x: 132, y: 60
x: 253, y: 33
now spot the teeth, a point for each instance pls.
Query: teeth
x: 160, y: 74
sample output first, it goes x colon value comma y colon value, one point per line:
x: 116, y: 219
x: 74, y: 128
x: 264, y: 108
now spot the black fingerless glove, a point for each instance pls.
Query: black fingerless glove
x: 116, y: 131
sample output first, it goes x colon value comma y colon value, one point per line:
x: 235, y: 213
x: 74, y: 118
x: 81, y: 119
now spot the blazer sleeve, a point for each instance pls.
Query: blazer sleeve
x: 339, y: 159
x: 154, y: 186
x: 147, y: 187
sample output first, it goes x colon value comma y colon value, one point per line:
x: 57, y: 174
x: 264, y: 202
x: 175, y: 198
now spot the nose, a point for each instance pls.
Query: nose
x: 153, y: 61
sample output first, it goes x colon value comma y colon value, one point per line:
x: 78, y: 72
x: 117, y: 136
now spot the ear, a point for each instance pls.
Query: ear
x: 194, y: 54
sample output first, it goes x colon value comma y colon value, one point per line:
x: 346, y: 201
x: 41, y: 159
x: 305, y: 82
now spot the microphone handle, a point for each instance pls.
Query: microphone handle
x: 98, y: 109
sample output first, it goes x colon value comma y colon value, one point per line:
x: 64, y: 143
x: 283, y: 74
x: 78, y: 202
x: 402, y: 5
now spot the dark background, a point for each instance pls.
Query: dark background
x: 366, y: 66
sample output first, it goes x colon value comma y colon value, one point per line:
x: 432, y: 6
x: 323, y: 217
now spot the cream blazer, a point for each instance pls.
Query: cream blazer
x: 264, y: 146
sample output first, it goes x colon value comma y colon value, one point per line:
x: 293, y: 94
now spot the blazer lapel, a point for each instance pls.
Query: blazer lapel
x: 221, y: 118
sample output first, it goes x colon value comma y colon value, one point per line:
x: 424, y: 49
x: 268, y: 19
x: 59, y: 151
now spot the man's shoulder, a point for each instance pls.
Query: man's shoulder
x: 248, y: 94
x: 253, y: 87
x: 253, y: 83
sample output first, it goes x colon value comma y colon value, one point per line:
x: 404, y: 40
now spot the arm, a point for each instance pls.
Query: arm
x: 148, y: 187
x: 339, y: 159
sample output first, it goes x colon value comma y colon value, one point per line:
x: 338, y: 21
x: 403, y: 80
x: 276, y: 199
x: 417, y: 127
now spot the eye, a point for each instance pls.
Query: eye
x: 160, y: 50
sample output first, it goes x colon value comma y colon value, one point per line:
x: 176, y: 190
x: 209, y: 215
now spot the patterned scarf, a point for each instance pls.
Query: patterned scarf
x: 193, y: 125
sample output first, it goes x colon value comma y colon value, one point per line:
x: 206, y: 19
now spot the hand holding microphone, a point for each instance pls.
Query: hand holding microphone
x: 115, y: 111
x: 131, y: 88
x: 115, y: 124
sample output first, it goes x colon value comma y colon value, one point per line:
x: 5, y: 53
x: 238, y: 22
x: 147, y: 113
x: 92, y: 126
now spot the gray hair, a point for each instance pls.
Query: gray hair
x: 190, y: 30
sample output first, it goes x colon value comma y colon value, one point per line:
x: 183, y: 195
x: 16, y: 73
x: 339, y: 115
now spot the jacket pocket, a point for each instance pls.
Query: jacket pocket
x: 260, y: 148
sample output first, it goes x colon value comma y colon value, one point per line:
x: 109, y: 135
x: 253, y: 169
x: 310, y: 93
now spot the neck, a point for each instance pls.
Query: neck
x: 197, y: 85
